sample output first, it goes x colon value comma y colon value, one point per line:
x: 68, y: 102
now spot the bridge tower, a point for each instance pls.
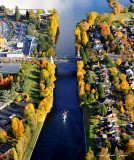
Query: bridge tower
x: 52, y: 61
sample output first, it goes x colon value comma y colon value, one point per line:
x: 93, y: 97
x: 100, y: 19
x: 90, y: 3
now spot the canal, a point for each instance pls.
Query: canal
x: 59, y: 140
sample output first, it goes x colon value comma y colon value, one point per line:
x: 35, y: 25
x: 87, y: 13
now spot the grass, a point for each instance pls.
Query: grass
x: 89, y: 121
x: 125, y: 16
x: 34, y: 79
x: 31, y: 145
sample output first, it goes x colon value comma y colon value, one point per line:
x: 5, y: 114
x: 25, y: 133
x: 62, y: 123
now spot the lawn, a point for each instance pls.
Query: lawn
x: 89, y: 119
x: 125, y: 16
x: 34, y: 80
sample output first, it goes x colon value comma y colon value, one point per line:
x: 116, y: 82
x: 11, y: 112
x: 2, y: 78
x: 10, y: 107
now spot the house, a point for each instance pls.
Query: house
x: 22, y: 104
x: 5, y: 149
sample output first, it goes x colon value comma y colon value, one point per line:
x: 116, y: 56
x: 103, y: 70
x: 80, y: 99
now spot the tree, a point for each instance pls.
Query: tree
x: 17, y: 127
x: 13, y: 155
x: 119, y: 34
x: 84, y: 38
x: 101, y: 91
x: 102, y: 110
x: 132, y: 7
x: 123, y: 77
x: 89, y: 46
x: 122, y: 109
x: 104, y: 154
x: 84, y: 58
x: 118, y: 62
x: 130, y: 145
x: 108, y: 144
x: 87, y: 54
x: 116, y: 153
x: 84, y: 25
x: 27, y: 14
x: 17, y: 14
x: 90, y: 155
x: 35, y: 51
x: 114, y: 71
x: 29, y: 114
x: 125, y: 86
x: 3, y: 136
x: 129, y: 101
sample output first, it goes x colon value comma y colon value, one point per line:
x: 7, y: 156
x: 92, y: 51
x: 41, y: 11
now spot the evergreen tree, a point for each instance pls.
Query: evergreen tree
x: 101, y: 91
x: 84, y: 58
x: 89, y: 46
x: 116, y: 153
x: 27, y: 14
x: 17, y: 14
x: 81, y: 51
x: 87, y: 54
x: 35, y: 51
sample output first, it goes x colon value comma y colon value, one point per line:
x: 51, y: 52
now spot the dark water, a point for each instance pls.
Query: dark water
x: 58, y: 140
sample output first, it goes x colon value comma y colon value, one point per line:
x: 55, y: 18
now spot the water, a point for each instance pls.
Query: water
x: 59, y: 140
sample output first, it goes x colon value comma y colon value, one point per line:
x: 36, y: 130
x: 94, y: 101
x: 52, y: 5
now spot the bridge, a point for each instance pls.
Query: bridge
x: 66, y: 60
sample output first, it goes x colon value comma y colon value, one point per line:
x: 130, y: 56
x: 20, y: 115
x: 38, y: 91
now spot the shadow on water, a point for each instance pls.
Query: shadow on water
x: 61, y: 140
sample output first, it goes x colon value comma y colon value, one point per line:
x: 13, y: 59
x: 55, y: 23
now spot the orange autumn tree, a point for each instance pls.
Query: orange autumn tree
x: 17, y: 127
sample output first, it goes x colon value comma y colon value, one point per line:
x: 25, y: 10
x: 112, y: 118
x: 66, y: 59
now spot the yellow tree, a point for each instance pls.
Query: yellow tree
x: 122, y: 109
x: 131, y: 113
x: 118, y: 61
x: 84, y: 38
x: 30, y: 116
x: 114, y: 71
x: 123, y: 77
x: 119, y: 34
x: 125, y: 86
x: 129, y: 101
x: 17, y: 127
x: 121, y: 21
x: 3, y: 136
x: 104, y: 154
x: 89, y: 155
x: 130, y: 145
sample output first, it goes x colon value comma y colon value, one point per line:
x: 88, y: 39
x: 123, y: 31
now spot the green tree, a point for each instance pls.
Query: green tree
x: 108, y: 144
x: 101, y: 91
x: 17, y: 14
x: 89, y: 46
x: 27, y: 14
x: 116, y: 153
x: 84, y: 58
x: 87, y: 54
x: 102, y: 110
x: 81, y: 51
x: 35, y: 51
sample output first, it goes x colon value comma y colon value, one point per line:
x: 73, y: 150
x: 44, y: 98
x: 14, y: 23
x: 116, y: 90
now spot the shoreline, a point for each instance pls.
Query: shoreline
x: 26, y: 154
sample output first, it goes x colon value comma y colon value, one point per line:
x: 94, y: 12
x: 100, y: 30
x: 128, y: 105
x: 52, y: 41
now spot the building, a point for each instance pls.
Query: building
x: 5, y: 149
x: 20, y: 45
x: 12, y: 54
